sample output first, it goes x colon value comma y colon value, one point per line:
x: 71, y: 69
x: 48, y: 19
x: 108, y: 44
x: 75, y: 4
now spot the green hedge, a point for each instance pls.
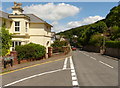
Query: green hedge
x: 112, y: 44
x: 30, y: 51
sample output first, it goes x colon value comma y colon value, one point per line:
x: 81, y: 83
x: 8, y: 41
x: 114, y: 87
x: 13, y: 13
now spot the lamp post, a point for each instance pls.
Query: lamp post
x: 103, y: 46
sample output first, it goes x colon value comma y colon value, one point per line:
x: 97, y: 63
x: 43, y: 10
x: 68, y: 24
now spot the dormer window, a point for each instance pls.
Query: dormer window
x: 17, y: 26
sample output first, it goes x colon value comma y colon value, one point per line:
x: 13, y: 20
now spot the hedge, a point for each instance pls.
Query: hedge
x: 112, y: 44
x: 30, y: 51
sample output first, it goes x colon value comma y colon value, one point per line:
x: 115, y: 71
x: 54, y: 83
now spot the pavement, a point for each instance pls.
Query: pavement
x: 80, y: 69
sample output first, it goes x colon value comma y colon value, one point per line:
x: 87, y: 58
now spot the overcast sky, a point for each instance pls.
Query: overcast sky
x: 65, y: 15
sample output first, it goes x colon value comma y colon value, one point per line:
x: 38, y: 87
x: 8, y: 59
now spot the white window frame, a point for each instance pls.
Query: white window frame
x: 17, y: 26
x: 18, y: 43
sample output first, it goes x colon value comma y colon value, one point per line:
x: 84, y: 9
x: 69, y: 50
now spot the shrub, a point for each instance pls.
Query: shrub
x: 112, y: 44
x: 30, y: 51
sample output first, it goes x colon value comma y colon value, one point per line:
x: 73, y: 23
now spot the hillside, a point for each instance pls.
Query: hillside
x: 91, y: 34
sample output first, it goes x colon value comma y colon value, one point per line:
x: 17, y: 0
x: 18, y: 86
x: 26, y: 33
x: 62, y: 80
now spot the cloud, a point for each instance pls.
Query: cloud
x: 51, y: 11
x: 85, y: 21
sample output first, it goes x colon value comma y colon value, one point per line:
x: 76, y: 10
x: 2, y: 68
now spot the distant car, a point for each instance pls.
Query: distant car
x: 74, y: 49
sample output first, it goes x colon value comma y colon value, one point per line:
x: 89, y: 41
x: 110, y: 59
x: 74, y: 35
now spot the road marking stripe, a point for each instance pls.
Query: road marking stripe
x: 65, y: 63
x: 75, y: 83
x: 32, y: 77
x: 72, y: 70
x: 106, y: 64
x: 93, y: 58
x: 31, y: 66
x: 74, y: 78
x: 73, y: 74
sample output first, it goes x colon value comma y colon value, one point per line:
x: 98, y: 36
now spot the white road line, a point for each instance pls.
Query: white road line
x: 106, y: 64
x: 87, y: 55
x: 73, y: 74
x: 93, y: 58
x: 32, y: 77
x: 65, y: 63
x: 75, y: 83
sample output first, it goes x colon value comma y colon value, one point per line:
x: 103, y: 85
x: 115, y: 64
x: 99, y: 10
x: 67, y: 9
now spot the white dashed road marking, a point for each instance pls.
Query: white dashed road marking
x: 106, y: 64
x: 96, y: 59
x: 93, y: 58
x: 73, y: 74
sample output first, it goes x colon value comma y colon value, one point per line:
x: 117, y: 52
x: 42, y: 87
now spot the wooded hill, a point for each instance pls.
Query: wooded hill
x: 94, y: 33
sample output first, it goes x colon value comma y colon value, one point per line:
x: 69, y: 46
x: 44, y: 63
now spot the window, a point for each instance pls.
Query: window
x: 17, y: 26
x: 26, y: 27
x: 16, y: 43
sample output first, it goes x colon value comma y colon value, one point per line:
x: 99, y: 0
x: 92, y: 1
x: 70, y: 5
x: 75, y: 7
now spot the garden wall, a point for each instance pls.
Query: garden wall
x: 115, y: 52
x: 91, y: 48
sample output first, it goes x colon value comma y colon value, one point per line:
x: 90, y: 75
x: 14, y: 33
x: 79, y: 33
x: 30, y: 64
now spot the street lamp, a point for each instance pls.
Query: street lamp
x: 103, y: 46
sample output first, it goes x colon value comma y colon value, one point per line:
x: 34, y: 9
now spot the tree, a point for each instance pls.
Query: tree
x: 115, y: 32
x: 113, y: 18
x: 5, y: 42
x: 96, y: 40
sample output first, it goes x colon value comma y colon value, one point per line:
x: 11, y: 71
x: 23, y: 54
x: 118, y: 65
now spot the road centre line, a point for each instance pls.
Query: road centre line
x: 31, y: 66
x: 98, y: 61
x: 106, y: 64
x: 73, y: 74
x: 65, y: 63
x: 32, y: 77
x: 93, y: 58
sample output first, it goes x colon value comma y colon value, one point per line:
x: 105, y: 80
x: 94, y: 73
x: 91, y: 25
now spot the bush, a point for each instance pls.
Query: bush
x: 58, y: 43
x: 112, y: 44
x: 30, y: 51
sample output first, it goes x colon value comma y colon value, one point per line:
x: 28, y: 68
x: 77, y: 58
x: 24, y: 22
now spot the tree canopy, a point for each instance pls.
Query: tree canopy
x: 5, y: 42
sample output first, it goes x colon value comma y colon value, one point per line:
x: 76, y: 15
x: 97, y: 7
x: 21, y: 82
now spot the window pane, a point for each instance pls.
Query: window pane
x: 12, y: 44
x: 17, y: 29
x: 17, y: 23
x: 16, y: 43
x: 26, y: 26
x: 19, y: 43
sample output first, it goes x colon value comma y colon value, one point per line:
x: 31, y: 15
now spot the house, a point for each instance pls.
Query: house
x: 26, y: 28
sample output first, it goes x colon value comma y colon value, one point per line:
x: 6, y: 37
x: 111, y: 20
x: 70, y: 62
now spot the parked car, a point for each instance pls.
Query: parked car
x: 74, y: 48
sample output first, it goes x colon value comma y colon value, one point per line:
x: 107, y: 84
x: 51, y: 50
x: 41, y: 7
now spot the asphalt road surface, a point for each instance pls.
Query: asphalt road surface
x: 78, y: 70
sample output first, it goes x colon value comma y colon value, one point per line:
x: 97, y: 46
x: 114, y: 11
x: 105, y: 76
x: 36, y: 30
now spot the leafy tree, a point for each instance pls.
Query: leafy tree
x: 96, y: 40
x: 113, y: 18
x: 5, y: 43
x: 115, y: 32
x: 58, y: 43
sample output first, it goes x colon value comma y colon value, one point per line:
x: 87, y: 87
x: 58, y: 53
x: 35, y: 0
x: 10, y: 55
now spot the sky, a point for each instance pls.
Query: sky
x: 65, y: 15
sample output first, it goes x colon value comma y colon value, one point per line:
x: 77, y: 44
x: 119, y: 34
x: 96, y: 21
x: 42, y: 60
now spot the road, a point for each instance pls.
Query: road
x: 78, y: 70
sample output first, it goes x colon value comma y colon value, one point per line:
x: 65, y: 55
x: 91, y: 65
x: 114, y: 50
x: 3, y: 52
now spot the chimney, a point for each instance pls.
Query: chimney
x: 17, y: 9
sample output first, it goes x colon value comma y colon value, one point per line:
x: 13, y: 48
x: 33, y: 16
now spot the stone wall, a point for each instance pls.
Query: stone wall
x: 115, y: 52
x: 91, y: 48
